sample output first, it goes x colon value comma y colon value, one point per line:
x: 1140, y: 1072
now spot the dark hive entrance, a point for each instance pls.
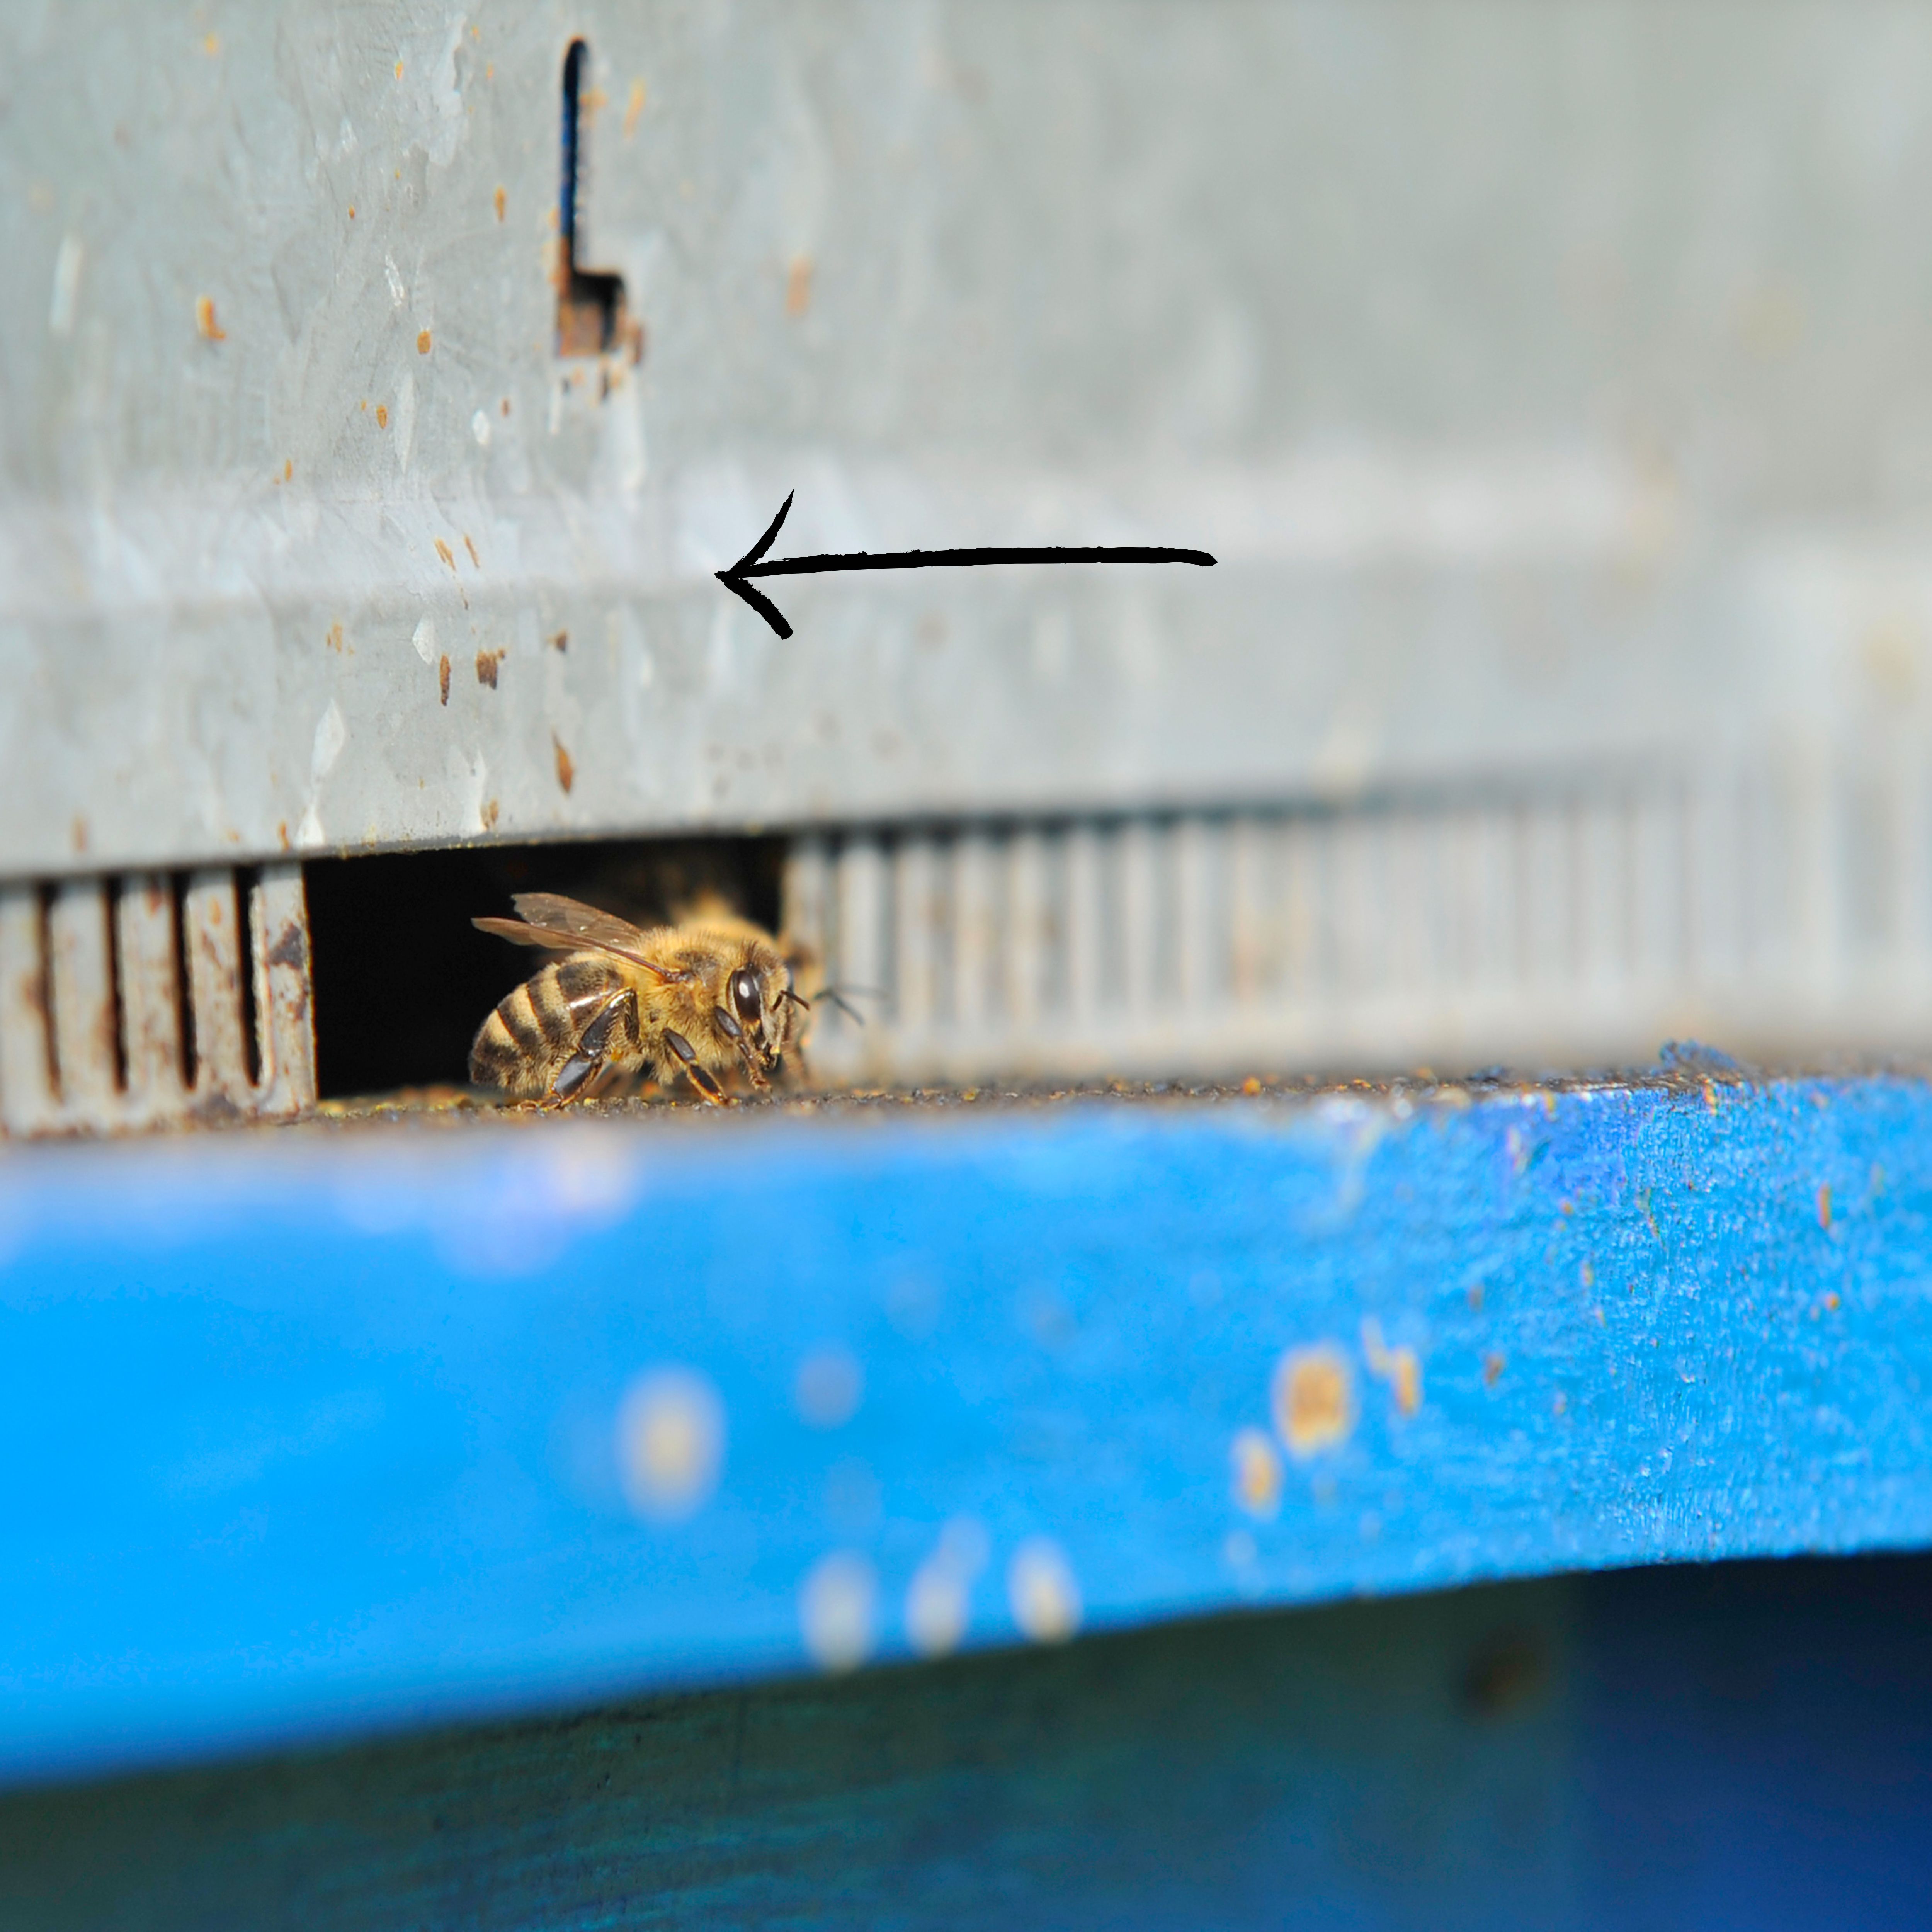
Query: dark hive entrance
x: 403, y: 980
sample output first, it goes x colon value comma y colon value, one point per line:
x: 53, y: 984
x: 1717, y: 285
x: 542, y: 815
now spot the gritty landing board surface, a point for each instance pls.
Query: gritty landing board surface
x: 338, y: 1433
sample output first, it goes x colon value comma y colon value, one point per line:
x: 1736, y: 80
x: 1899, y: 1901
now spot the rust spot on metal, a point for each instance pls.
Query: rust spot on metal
x: 1314, y: 1399
x: 1493, y: 1365
x: 489, y: 816
x: 423, y: 342
x: 500, y: 201
x: 798, y: 286
x: 333, y: 640
x: 382, y: 416
x: 566, y: 772
x: 634, y: 108
x: 487, y: 662
x: 1825, y: 1206
x: 282, y: 834
x: 505, y: 406
x: 443, y: 550
x: 442, y: 678
x: 206, y: 327
x: 471, y: 548
x: 1251, y: 1086
x: 80, y: 833
x: 560, y: 641
x: 291, y: 949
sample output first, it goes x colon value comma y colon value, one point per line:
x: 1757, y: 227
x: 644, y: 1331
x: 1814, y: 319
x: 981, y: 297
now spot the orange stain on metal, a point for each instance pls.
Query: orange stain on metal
x: 634, y: 108
x: 501, y: 201
x: 486, y: 664
x: 1401, y: 1368
x: 566, y: 772
x: 469, y: 545
x: 798, y: 286
x: 206, y: 327
x: 1256, y: 1471
x: 423, y: 343
x: 443, y: 677
x: 443, y: 550
x: 382, y: 416
x: 1314, y: 1395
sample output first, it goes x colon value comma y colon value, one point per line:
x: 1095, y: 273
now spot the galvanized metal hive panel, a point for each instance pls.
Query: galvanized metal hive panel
x: 1553, y: 386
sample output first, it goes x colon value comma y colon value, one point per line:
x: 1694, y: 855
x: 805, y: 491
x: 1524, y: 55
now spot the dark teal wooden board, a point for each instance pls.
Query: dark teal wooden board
x: 1741, y: 1746
x: 316, y: 1435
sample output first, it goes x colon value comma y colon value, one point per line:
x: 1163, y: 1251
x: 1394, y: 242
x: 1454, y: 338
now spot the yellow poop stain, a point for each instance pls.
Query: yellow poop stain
x: 1314, y: 1397
x: 1400, y: 1368
x: 1256, y: 1471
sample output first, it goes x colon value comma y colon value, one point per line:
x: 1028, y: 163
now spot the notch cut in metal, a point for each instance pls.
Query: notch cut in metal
x: 593, y: 315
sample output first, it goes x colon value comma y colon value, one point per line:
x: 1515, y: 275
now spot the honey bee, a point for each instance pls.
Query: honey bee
x: 700, y: 999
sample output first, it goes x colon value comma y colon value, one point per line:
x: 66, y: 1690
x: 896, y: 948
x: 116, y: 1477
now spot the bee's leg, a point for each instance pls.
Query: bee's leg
x: 593, y: 1047
x: 698, y: 1078
x: 571, y: 1078
x: 735, y: 1033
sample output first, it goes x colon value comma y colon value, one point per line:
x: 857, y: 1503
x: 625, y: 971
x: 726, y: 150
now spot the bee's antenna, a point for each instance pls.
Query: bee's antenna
x: 836, y: 994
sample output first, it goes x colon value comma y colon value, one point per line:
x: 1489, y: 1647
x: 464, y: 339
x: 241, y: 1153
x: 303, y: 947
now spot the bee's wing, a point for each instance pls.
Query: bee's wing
x: 591, y: 927
x: 556, y: 939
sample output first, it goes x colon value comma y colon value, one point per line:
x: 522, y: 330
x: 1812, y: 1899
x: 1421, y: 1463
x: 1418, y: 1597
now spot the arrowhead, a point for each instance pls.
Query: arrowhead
x: 734, y: 580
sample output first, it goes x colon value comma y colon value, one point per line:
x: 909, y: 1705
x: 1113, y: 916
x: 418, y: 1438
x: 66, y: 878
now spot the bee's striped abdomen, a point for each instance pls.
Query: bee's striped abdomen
x: 535, y: 1028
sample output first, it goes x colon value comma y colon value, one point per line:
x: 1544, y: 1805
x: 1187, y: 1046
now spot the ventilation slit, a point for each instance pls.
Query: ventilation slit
x: 183, y: 981
x: 116, y: 991
x: 43, y: 938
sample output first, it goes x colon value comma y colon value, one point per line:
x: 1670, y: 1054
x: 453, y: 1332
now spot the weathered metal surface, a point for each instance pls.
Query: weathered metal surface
x: 336, y: 1433
x: 100, y: 1033
x: 1552, y: 383
x: 1557, y: 926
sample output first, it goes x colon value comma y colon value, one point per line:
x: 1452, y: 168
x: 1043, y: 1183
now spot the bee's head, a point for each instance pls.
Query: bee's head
x: 758, y: 999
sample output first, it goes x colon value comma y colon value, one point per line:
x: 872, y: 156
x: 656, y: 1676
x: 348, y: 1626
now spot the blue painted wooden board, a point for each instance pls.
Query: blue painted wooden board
x: 315, y: 1434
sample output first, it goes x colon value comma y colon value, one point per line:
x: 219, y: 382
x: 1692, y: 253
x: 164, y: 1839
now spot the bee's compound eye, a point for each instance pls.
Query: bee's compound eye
x: 744, y: 996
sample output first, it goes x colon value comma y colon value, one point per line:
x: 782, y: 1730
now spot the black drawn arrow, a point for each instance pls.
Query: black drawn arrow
x: 737, y: 579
